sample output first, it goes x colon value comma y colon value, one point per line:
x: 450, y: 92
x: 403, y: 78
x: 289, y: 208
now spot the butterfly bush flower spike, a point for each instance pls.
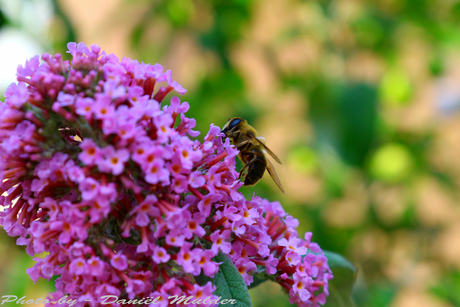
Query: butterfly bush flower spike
x: 99, y: 173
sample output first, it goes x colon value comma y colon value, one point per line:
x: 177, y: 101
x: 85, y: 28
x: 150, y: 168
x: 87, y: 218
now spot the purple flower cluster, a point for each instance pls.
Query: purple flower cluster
x: 102, y: 179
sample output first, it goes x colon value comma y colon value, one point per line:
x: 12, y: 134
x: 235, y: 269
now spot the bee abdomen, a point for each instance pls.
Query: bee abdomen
x: 256, y: 170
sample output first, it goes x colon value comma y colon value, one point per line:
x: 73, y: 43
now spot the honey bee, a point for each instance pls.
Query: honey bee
x: 252, y: 151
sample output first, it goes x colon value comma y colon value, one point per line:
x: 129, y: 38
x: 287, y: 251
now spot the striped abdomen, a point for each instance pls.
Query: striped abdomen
x: 256, y: 170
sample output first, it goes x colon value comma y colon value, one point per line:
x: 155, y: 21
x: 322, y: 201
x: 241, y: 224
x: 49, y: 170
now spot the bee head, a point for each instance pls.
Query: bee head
x: 232, y: 123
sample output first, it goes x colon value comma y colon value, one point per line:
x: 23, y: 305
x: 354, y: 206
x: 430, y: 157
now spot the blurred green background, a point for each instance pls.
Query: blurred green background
x: 360, y: 99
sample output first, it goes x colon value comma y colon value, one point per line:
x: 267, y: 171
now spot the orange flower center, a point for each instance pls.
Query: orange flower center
x: 192, y: 225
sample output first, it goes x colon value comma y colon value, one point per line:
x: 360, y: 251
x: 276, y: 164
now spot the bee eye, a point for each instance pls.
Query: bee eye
x: 234, y: 123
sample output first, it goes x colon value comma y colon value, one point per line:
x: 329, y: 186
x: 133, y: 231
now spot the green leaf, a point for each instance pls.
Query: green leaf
x: 341, y: 285
x: 229, y: 282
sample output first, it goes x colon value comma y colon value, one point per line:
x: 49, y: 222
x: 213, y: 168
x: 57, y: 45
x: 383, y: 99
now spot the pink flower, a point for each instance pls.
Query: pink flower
x: 156, y: 172
x: 300, y: 286
x: 205, y: 262
x: 114, y: 160
x: 293, y: 258
x: 160, y: 255
x: 16, y: 94
x: 249, y: 216
x: 175, y: 238
x: 203, y: 292
x: 193, y: 227
x: 176, y: 86
x: 113, y: 89
x: 127, y: 130
x: 65, y: 100
x: 95, y: 266
x: 164, y: 130
x: 176, y: 106
x: 99, y: 208
x: 84, y: 107
x: 219, y: 241
x: 145, y: 210
x: 102, y: 107
x: 196, y: 180
x: 179, y: 184
x: 186, y: 258
x: 186, y: 153
x: 144, y: 155
x: 136, y: 207
x: 78, y: 266
x: 206, y: 203
x: 91, y: 153
x: 119, y: 262
x: 89, y: 188
x: 292, y: 245
x: 244, y: 266
x: 30, y: 67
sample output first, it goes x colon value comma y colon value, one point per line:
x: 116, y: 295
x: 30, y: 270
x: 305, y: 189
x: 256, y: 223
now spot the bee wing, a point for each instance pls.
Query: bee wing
x: 272, y: 172
x: 259, y: 140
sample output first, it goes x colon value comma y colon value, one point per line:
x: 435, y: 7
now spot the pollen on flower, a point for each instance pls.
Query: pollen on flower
x: 150, y: 157
x: 121, y: 194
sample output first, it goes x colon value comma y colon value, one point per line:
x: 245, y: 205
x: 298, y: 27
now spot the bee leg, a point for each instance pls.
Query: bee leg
x: 245, y: 167
x: 241, y: 144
